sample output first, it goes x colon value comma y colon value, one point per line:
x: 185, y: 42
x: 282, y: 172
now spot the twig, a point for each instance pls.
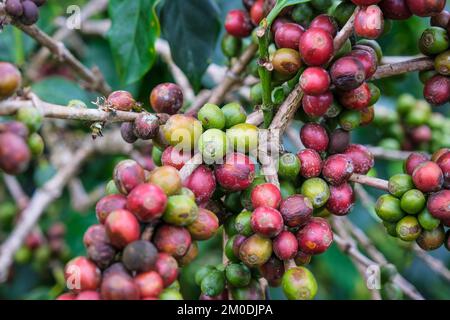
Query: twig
x: 93, y: 78
x: 370, y: 181
x: 435, y: 264
x: 16, y: 191
x: 416, y: 64
x: 81, y: 200
x: 381, y: 153
x: 287, y: 110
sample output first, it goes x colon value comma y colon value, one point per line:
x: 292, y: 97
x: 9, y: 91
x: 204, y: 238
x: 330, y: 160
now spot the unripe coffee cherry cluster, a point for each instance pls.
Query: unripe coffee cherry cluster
x: 412, y: 126
x: 146, y: 231
x: 19, y: 141
x: 26, y: 11
x: 417, y: 207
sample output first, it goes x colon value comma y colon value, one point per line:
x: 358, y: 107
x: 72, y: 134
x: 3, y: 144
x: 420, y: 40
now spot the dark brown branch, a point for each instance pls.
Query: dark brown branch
x: 417, y: 64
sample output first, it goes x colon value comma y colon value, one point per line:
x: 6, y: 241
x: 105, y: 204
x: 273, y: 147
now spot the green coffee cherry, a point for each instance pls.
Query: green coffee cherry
x: 375, y: 94
x: 288, y: 166
x: 7, y: 213
x: 396, y: 131
x: 211, y: 116
x: 287, y: 188
x: 405, y: 103
x: 23, y: 255
x: 232, y: 202
x: 388, y: 208
x: 251, y: 292
x: 434, y: 40
x: 229, y: 252
x: 238, y: 275
x: 243, y: 137
x: 36, y: 144
x: 419, y: 115
x: 317, y: 190
x: 426, y: 75
x: 303, y: 14
x: 31, y: 117
x: 231, y: 46
x: 187, y: 192
x: 256, y: 93
x: 230, y: 226
x: 387, y: 272
x: 156, y: 156
x: 389, y: 144
x: 181, y: 210
x: 242, y: 223
x: 234, y: 114
x: 175, y: 285
x: 202, y: 273
x: 334, y: 110
x: 214, y: 145
x: 214, y: 283
x: 391, y: 291
x: 399, y: 184
x: 349, y: 119
x: 321, y: 5
x: 111, y: 188
x: 299, y: 284
x: 344, y: 50
x: 170, y: 294
x: 42, y: 254
x: 442, y: 63
x: 343, y: 12
x: 255, y: 250
x: 408, y: 228
x: 413, y: 201
x: 427, y: 221
x: 391, y: 228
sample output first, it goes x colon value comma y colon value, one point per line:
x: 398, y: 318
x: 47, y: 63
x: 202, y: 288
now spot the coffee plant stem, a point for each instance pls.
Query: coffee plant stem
x: 16, y: 191
x: 370, y: 181
x: 381, y: 153
x: 416, y: 64
x: 264, y: 70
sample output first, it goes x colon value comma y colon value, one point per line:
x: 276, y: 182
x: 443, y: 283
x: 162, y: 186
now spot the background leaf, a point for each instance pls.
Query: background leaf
x: 134, y: 30
x: 192, y: 29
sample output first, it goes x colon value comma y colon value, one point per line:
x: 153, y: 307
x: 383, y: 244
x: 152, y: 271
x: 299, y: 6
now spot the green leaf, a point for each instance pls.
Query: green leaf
x: 59, y: 90
x: 134, y: 30
x: 191, y: 28
x: 281, y: 4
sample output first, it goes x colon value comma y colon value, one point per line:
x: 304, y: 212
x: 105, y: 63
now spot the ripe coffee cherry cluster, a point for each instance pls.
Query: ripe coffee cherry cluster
x: 417, y: 207
x: 26, y: 11
x: 412, y: 126
x: 19, y: 141
x: 434, y: 42
x: 146, y: 230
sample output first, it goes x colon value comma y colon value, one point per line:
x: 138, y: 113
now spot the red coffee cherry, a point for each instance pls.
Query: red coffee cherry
x: 356, y: 99
x: 428, y: 177
x: 237, y: 173
x: 314, y: 136
x: 10, y: 80
x: 122, y: 228
x: 15, y: 127
x: 166, y: 98
x: 285, y: 245
x: 280, y: 21
x: 14, y: 153
x: 95, y: 233
x: 257, y: 12
x: 316, y: 46
x: 248, y: 4
x: 325, y: 22
x: 172, y: 240
x: 438, y: 205
x: 108, y: 204
x: 150, y: 284
x: 67, y: 296
x: 121, y: 100
x: 205, y: 226
x: 444, y: 163
x: 440, y: 20
x: 341, y: 199
x: 167, y: 267
x: 272, y: 271
x: 147, y: 201
x: 127, y: 175
x: 266, y: 195
x: 425, y: 8
x: 314, y: 81
x: 311, y: 163
x: 395, y: 9
x: 317, y: 106
x: 238, y: 23
x: 202, y: 183
x: 127, y: 132
x: 146, y: 126
x: 175, y: 158
x: 267, y: 222
x: 119, y: 286
x: 414, y: 160
x: 421, y: 134
x: 339, y: 141
x: 296, y: 210
x: 361, y: 158
x: 369, y: 22
x: 337, y: 169
x: 438, y: 154
x: 288, y: 35
x: 315, y: 237
x: 437, y: 90
x: 81, y: 274
x: 347, y: 73
x: 368, y: 58
x: 88, y: 295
